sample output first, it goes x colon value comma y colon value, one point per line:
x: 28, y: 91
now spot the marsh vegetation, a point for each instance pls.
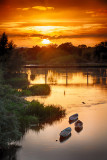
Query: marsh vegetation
x: 17, y: 114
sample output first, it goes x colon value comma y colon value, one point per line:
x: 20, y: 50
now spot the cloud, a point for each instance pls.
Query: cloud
x: 23, y: 9
x: 43, y: 8
x: 40, y: 8
x: 97, y: 13
x: 90, y: 12
x: 54, y: 3
x: 42, y: 36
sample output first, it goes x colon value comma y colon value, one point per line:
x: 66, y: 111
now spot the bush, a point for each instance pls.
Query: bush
x: 9, y: 127
x: 18, y: 82
x: 40, y: 89
x: 25, y: 92
x: 35, y: 108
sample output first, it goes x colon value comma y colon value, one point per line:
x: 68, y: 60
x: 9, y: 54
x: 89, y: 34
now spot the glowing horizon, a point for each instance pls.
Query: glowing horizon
x: 28, y: 23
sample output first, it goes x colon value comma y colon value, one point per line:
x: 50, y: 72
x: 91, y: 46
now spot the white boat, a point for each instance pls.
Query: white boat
x: 65, y: 133
x: 74, y: 117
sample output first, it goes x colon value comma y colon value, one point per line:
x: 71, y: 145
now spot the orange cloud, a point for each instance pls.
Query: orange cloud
x: 43, y: 8
x: 23, y: 9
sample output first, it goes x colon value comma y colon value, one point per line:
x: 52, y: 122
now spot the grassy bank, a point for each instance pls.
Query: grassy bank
x: 17, y: 114
x: 35, y: 108
x: 16, y: 80
x: 20, y: 81
x: 39, y: 89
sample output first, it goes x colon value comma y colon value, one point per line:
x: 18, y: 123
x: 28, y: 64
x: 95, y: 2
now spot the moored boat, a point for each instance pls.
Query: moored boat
x: 79, y: 124
x: 74, y: 117
x: 65, y: 133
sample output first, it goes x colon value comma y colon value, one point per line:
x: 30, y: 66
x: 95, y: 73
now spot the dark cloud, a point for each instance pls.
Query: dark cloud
x: 54, y: 3
x: 103, y: 1
x: 60, y: 36
x: 22, y: 3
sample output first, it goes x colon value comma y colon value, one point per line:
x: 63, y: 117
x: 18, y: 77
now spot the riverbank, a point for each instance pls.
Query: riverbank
x: 18, y: 114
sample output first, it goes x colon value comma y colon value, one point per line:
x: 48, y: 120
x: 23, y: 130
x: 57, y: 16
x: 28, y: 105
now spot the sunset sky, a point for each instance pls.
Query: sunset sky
x: 29, y: 22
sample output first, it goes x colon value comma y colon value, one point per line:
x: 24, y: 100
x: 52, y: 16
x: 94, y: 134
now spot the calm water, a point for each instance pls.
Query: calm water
x: 69, y: 88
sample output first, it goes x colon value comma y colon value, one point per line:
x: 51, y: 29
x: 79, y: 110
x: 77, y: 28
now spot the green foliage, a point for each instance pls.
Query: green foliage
x: 16, y: 115
x: 28, y: 120
x: 40, y: 89
x: 18, y: 82
x: 15, y: 62
x: 6, y: 91
x: 1, y: 76
x: 66, y: 53
x: 11, y: 109
x: 9, y: 127
x: 44, y: 112
x: 25, y: 92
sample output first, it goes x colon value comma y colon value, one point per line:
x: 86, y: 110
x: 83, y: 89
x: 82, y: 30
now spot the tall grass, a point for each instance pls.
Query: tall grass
x: 35, y: 108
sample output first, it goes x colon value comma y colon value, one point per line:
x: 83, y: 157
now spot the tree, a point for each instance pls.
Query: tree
x: 5, y: 48
x: 83, y: 46
x: 101, y: 51
x: 66, y: 46
x: 15, y: 62
x: 3, y: 44
x: 11, y: 45
x: 10, y: 58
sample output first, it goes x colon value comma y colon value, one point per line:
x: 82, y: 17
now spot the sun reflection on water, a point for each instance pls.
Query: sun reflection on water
x: 53, y: 77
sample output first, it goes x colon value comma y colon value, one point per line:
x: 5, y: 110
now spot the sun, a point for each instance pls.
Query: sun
x: 46, y: 41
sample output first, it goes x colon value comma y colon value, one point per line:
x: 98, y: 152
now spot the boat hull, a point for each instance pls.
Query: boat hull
x: 65, y: 133
x: 73, y: 118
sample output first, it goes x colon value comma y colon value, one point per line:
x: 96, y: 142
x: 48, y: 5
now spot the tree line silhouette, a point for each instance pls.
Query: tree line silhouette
x: 65, y: 53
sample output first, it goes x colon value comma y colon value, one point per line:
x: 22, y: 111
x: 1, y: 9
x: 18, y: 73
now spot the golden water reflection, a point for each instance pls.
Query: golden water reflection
x: 66, y: 76
x: 53, y: 77
x: 70, y: 88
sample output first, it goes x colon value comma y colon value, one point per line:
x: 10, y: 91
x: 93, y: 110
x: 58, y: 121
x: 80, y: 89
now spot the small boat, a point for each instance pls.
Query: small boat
x: 73, y: 118
x: 65, y: 133
x: 78, y: 124
x: 78, y: 129
x: 63, y: 139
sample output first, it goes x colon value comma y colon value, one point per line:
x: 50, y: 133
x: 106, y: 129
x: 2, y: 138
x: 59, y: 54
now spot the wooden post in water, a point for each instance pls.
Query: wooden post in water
x: 45, y: 76
x: 66, y: 76
x: 87, y: 76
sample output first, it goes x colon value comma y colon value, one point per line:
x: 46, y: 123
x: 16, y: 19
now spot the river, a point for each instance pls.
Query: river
x: 82, y: 91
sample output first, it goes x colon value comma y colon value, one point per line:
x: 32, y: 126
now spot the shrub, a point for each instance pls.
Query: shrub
x: 18, y: 82
x: 35, y: 108
x: 40, y: 89
x: 16, y: 114
x: 9, y: 127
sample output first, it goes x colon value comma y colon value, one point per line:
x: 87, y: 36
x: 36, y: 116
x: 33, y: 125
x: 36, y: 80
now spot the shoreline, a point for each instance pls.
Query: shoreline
x: 73, y: 65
